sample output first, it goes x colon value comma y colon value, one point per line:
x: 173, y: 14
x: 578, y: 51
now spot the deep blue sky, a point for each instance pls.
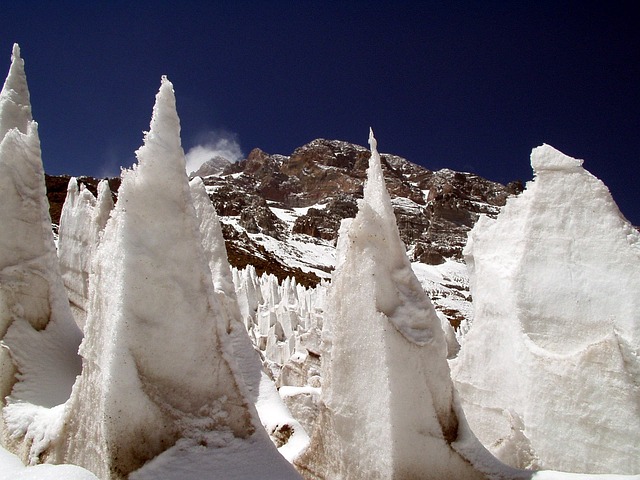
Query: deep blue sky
x: 470, y: 86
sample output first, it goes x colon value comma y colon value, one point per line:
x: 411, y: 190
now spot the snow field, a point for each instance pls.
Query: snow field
x: 172, y: 387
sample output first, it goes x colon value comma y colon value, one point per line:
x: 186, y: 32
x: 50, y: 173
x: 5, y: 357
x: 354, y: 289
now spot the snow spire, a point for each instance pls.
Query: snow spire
x: 162, y: 141
x: 75, y: 242
x: 158, y: 363
x: 213, y: 241
x: 15, y: 105
x: 375, y: 191
x: 547, y: 158
x: 555, y: 339
x: 385, y: 379
x: 104, y: 205
x: 39, y: 362
x: 389, y: 253
x: 82, y: 220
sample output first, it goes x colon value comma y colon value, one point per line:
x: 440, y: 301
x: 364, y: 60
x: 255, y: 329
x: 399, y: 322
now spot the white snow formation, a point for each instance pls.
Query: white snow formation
x: 212, y: 239
x: 283, y: 319
x: 158, y: 369
x: 38, y: 361
x: 13, y: 469
x: 549, y: 373
x: 284, y: 430
x: 387, y: 408
x: 81, y: 221
x: 169, y: 385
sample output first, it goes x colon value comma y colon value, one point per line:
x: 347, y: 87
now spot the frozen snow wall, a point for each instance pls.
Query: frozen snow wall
x: 81, y: 221
x: 212, y: 240
x: 387, y: 407
x: 39, y: 361
x: 157, y: 362
x: 553, y: 350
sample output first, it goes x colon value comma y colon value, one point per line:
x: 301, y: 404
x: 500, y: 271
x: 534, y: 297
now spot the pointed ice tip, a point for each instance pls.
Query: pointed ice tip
x: 163, y: 138
x: 546, y: 157
x: 372, y: 140
x: 165, y: 84
x: 15, y: 105
x: 165, y: 81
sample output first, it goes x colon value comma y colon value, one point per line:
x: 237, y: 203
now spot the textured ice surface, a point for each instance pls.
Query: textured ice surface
x: 15, y: 103
x: 76, y: 239
x: 130, y: 384
x: 82, y: 220
x: 212, y: 239
x: 555, y: 340
x: 156, y: 355
x: 387, y: 407
x: 38, y: 361
x: 260, y: 390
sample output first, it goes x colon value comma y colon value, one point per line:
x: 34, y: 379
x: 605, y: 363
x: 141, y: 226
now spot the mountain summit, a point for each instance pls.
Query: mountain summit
x: 320, y: 182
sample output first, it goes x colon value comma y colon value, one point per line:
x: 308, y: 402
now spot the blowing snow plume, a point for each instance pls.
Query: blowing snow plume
x: 215, y: 150
x: 387, y: 408
x: 549, y: 373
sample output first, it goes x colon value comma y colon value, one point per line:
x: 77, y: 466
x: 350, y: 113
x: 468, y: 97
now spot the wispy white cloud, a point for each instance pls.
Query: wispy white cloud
x: 216, y: 143
x: 112, y: 162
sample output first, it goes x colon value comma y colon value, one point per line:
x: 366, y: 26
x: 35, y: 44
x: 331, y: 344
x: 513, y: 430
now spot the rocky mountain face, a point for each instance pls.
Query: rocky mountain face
x: 320, y: 183
x: 281, y: 214
x: 211, y: 167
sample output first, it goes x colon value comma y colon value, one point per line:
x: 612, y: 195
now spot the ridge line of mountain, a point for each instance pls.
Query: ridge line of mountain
x: 317, y: 186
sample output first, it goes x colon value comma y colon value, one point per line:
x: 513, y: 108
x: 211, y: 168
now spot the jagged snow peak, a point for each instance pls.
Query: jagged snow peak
x: 547, y: 158
x: 166, y: 374
x: 398, y: 294
x: 170, y: 376
x: 82, y: 220
x: 387, y: 406
x: 212, y: 240
x: 15, y: 104
x: 38, y: 355
x: 35, y: 319
x: 563, y: 367
x: 162, y: 142
x: 158, y: 366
